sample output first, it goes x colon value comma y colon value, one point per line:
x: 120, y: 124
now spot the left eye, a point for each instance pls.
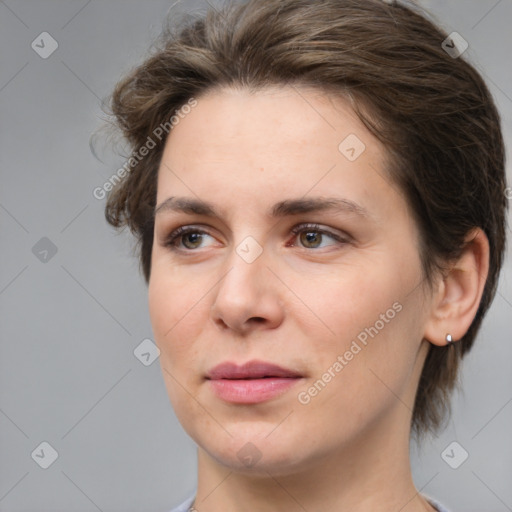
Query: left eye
x: 312, y: 236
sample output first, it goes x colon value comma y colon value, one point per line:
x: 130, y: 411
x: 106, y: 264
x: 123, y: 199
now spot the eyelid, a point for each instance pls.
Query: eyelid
x: 300, y: 228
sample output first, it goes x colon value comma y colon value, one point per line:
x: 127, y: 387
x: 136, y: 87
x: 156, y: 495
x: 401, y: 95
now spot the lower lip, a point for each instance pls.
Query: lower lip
x: 251, y: 391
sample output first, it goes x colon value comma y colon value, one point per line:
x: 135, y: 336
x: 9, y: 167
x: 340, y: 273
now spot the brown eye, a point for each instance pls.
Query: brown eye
x: 312, y: 236
x: 186, y: 239
x: 310, y: 239
x: 192, y: 240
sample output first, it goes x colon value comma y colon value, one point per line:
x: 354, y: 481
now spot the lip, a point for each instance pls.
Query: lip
x: 250, y: 370
x: 252, y: 382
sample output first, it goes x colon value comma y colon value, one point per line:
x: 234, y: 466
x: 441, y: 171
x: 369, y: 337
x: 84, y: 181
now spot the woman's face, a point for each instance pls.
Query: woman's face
x: 299, y: 253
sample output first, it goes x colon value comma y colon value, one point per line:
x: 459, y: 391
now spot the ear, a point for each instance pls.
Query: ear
x: 456, y: 300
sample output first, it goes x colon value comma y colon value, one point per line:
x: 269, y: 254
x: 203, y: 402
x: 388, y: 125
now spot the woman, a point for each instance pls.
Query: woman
x: 318, y: 192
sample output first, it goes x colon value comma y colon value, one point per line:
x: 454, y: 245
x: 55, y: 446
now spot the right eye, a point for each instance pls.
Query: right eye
x: 185, y: 238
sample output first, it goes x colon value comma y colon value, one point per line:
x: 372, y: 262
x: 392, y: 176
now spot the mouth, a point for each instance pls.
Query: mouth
x: 251, y: 383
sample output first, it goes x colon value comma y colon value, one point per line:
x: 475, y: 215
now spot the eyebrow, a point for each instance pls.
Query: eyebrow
x: 284, y: 208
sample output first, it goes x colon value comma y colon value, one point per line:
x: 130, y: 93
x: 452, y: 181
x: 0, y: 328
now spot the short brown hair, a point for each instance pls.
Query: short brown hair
x: 432, y: 111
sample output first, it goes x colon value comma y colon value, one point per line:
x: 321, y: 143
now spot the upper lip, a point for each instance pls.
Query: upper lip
x: 249, y: 370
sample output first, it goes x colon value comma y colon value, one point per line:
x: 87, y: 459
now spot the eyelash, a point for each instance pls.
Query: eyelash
x: 171, y: 241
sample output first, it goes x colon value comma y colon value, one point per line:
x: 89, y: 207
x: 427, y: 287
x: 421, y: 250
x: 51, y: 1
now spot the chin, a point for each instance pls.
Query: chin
x: 253, y: 452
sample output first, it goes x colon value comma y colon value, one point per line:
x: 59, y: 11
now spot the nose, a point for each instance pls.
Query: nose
x: 248, y: 297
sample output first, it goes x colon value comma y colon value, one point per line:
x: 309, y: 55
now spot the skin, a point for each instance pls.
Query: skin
x: 300, y: 304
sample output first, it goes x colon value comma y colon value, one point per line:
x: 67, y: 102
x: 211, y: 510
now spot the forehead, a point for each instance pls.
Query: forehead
x: 271, y: 118
x: 256, y: 146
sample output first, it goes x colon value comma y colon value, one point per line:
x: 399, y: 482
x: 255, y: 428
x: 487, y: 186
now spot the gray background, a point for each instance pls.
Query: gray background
x: 69, y: 325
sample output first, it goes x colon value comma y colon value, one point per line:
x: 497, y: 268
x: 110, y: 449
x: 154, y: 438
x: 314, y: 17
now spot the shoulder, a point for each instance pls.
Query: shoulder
x: 440, y: 508
x: 185, y: 505
x: 436, y: 505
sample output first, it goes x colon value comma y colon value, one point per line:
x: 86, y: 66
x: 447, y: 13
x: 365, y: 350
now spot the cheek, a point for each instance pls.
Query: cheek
x: 174, y: 312
x: 172, y: 293
x: 175, y: 306
x: 368, y: 318
x: 349, y: 300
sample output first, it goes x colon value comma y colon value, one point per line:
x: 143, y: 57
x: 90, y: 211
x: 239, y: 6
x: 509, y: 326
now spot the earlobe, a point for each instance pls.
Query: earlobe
x: 456, y: 301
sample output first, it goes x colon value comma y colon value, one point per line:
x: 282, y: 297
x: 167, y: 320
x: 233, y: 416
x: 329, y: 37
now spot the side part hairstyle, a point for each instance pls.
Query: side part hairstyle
x: 433, y: 113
